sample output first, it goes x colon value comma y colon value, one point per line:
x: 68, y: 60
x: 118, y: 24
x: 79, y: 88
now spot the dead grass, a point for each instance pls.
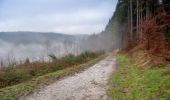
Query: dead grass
x: 24, y: 88
x: 23, y: 72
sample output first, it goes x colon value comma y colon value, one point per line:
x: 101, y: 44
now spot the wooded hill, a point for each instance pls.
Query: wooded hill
x: 145, y: 23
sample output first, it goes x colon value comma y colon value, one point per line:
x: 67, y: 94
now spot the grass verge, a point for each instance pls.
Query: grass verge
x: 130, y: 82
x: 16, y: 91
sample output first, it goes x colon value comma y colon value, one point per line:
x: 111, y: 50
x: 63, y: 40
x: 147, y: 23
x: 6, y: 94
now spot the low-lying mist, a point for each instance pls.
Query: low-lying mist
x: 10, y: 51
x: 17, y: 50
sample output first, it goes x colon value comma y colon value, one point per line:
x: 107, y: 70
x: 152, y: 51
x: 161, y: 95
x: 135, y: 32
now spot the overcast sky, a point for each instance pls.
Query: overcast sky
x: 63, y: 16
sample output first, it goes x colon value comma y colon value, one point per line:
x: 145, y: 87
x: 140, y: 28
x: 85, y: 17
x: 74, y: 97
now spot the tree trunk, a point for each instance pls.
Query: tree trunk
x: 131, y: 18
x: 137, y: 24
x: 147, y: 8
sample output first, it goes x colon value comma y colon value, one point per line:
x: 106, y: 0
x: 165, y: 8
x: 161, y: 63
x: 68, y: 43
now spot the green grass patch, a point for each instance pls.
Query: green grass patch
x: 130, y: 82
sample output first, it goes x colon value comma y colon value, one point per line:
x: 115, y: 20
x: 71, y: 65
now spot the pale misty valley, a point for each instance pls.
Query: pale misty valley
x: 84, y: 50
x: 18, y: 46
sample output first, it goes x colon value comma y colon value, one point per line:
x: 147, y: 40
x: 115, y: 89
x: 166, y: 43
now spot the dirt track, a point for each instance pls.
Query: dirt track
x: 90, y: 84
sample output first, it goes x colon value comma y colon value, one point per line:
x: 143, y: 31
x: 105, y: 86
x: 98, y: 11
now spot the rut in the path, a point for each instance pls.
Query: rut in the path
x: 90, y: 84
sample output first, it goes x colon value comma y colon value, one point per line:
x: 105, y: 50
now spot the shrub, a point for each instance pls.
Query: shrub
x: 153, y: 36
x: 70, y: 58
x: 28, y: 70
x: 52, y: 56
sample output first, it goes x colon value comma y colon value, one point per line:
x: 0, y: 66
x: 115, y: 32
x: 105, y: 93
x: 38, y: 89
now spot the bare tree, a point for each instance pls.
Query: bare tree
x: 47, y: 46
x: 66, y: 46
x: 1, y: 64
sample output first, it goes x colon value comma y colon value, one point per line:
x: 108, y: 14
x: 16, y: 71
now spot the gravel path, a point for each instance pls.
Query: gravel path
x: 90, y: 84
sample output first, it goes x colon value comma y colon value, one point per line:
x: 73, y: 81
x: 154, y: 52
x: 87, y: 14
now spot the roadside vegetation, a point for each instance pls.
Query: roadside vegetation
x: 23, y: 72
x: 24, y: 78
x: 135, y: 82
